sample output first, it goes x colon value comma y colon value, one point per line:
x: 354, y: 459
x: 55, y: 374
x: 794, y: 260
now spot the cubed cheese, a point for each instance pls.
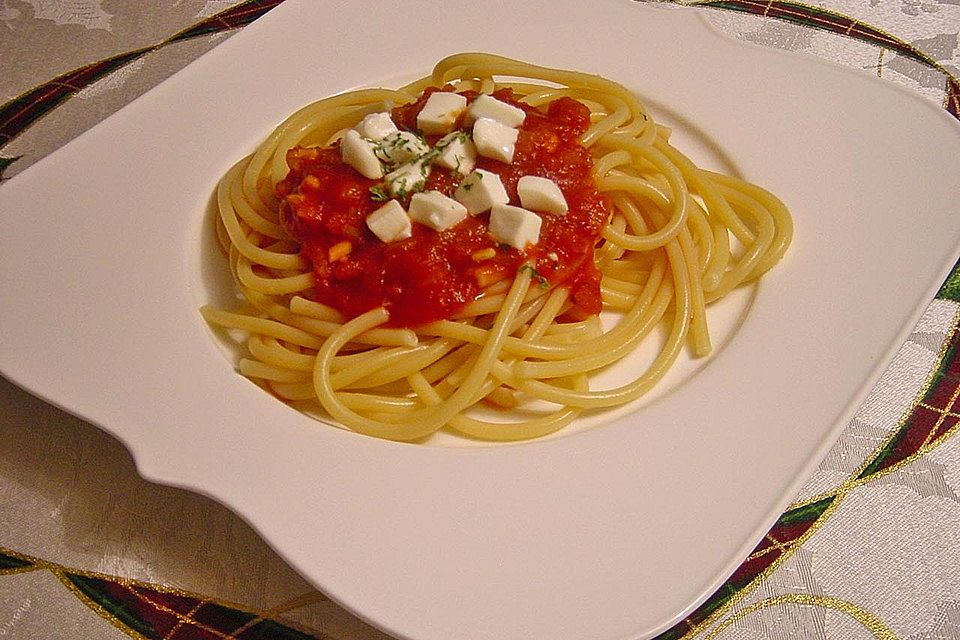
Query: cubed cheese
x: 494, y: 139
x: 400, y: 147
x: 390, y: 222
x: 480, y: 190
x: 440, y: 112
x: 359, y: 154
x: 376, y: 126
x: 436, y: 210
x: 456, y: 152
x: 484, y: 106
x: 514, y: 226
x: 541, y: 194
x: 407, y: 178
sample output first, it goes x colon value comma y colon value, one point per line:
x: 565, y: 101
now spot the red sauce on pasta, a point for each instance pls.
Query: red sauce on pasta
x: 433, y: 275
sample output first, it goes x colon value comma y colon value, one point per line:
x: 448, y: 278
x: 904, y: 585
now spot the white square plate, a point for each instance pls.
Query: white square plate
x: 611, y: 532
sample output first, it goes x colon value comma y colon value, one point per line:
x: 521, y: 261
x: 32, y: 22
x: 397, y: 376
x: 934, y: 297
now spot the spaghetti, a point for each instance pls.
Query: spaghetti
x: 481, y: 315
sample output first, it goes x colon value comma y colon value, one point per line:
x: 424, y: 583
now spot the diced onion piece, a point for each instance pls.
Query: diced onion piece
x: 483, y: 254
x: 339, y: 251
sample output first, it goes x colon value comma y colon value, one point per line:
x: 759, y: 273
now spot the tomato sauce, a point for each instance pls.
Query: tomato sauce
x: 433, y: 275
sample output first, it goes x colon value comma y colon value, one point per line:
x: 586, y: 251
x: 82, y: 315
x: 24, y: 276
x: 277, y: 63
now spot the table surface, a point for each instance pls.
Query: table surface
x: 869, y: 548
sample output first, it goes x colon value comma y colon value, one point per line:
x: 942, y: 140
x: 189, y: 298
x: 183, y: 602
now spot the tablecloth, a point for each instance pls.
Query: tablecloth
x: 870, y: 548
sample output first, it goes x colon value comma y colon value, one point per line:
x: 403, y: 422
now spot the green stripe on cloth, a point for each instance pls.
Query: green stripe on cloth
x: 951, y: 287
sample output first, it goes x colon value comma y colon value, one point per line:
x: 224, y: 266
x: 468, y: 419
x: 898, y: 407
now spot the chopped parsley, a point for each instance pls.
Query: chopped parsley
x: 378, y: 193
x: 535, y: 275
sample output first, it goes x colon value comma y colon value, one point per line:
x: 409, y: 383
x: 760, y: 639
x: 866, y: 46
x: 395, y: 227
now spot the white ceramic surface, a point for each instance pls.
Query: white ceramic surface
x: 612, y: 532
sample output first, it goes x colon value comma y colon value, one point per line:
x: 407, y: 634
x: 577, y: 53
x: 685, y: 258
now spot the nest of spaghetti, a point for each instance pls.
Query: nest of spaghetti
x: 487, y: 336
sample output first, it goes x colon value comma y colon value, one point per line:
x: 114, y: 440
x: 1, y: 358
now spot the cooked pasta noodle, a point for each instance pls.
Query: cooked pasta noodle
x: 677, y: 238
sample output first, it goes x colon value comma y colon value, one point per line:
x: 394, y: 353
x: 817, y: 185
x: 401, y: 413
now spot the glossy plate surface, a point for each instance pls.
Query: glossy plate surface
x: 611, y: 532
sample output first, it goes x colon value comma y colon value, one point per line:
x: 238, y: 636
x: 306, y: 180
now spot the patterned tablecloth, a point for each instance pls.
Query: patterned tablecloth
x: 869, y: 549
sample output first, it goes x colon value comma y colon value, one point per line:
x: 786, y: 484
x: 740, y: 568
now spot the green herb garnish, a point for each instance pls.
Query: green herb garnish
x: 536, y: 275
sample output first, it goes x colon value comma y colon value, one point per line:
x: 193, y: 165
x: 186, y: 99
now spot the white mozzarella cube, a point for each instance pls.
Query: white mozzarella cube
x: 400, y: 147
x: 390, y: 222
x: 494, y: 140
x: 407, y: 178
x: 456, y: 152
x: 359, y: 154
x: 376, y: 126
x: 440, y: 112
x: 514, y: 226
x: 480, y: 190
x: 541, y: 194
x: 436, y: 210
x: 484, y: 106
